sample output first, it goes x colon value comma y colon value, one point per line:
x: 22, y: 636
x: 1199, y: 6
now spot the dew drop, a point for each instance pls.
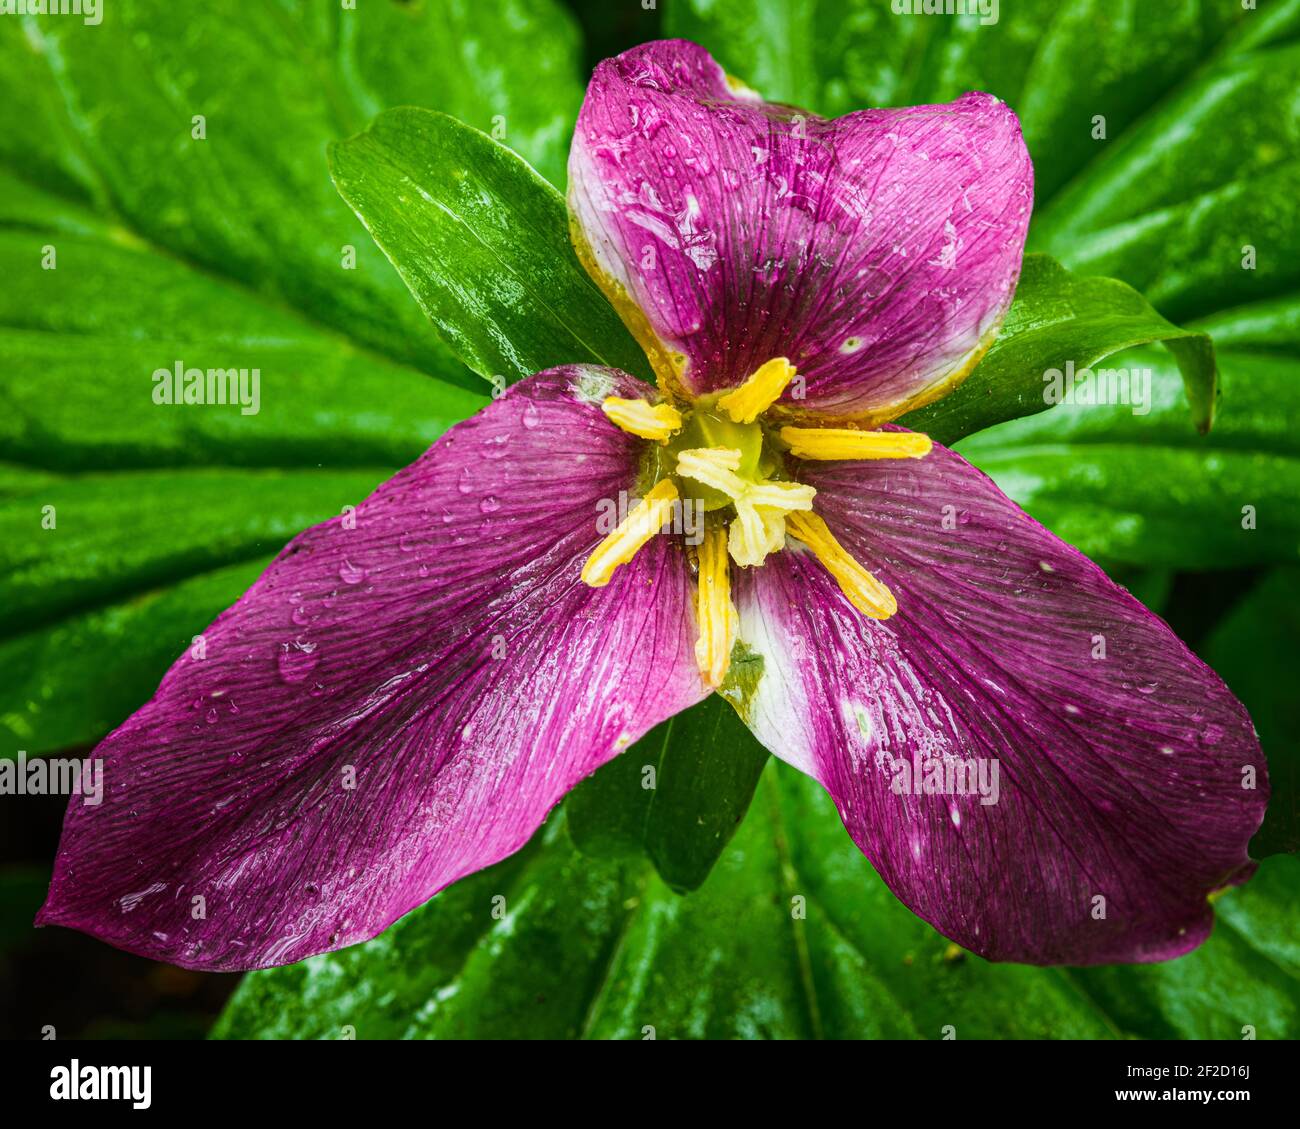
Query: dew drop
x: 490, y: 504
x: 297, y: 660
x: 350, y: 573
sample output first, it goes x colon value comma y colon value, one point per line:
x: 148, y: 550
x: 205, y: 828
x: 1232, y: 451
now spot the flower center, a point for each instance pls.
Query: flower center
x: 717, y: 456
x: 708, y: 427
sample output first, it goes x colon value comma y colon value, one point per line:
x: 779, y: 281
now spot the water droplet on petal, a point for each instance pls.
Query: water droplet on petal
x: 350, y: 573
x: 297, y: 660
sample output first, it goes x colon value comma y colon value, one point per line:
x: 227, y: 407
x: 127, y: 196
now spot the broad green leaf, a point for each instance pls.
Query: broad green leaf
x: 1245, y: 976
x: 482, y: 241
x: 117, y: 535
x: 792, y: 935
x: 82, y: 343
x: 106, y: 116
x: 511, y: 69
x: 53, y: 693
x: 153, y: 502
x: 1253, y: 648
x: 677, y: 795
x: 1178, y: 203
x: 1058, y: 317
x: 1143, y: 489
x: 222, y: 251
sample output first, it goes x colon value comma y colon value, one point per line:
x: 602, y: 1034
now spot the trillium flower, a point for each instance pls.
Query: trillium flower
x: 404, y: 695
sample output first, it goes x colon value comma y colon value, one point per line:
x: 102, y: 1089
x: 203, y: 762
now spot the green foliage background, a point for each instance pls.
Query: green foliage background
x: 228, y: 251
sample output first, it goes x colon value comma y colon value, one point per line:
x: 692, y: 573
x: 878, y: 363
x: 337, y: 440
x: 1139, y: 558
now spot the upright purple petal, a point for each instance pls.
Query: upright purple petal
x: 398, y: 701
x: 878, y: 252
x: 1129, y: 780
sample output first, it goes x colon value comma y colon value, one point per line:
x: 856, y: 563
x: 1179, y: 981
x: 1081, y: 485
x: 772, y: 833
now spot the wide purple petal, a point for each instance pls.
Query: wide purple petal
x: 1123, y: 761
x: 878, y: 251
x: 398, y: 701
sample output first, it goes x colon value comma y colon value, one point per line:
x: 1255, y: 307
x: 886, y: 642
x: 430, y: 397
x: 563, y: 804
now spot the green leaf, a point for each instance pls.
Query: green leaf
x: 227, y: 251
x: 677, y: 795
x: 151, y: 497
x: 105, y: 117
x: 1176, y: 204
x: 118, y: 535
x: 1245, y: 976
x: 53, y: 693
x: 1058, y: 317
x: 82, y: 343
x: 482, y: 241
x: 792, y: 935
x: 1253, y: 649
x: 1143, y: 489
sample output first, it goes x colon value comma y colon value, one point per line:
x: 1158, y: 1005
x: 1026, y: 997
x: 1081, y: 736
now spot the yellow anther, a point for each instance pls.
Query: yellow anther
x: 717, y: 615
x: 756, y: 531
x: 713, y: 466
x: 746, y: 403
x: 640, y: 417
x: 846, y: 443
x: 632, y: 532
x: 863, y: 590
x: 759, y: 527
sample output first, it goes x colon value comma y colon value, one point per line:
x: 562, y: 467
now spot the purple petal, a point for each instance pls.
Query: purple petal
x: 878, y: 252
x: 397, y: 702
x: 1119, y: 777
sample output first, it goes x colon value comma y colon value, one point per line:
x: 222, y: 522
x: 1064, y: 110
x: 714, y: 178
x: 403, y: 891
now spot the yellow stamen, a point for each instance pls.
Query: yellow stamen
x: 846, y: 443
x: 759, y: 527
x: 640, y: 417
x: 746, y: 403
x: 632, y: 532
x: 757, y: 531
x: 713, y: 466
x: 863, y: 590
x: 717, y: 616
